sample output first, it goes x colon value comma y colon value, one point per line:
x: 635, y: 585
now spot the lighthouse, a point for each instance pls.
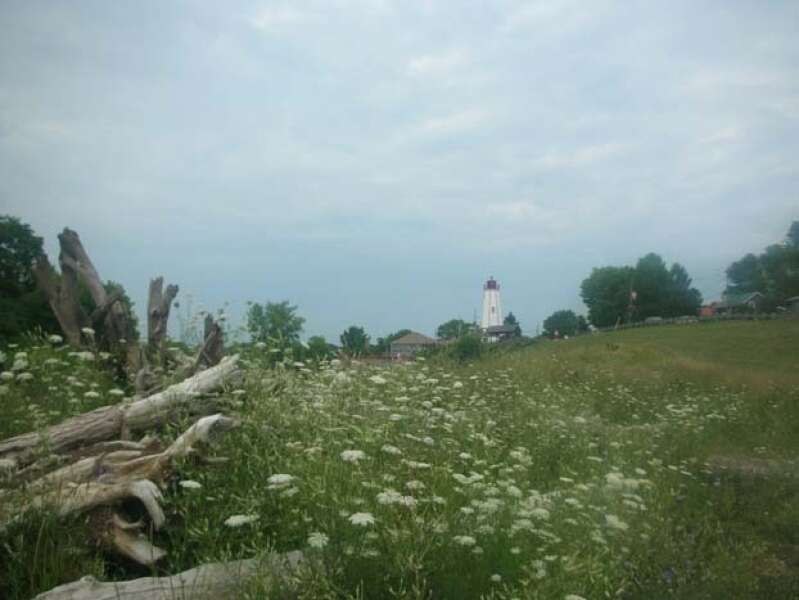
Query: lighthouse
x: 492, y: 308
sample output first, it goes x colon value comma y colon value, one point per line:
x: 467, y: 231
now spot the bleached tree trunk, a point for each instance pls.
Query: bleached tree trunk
x: 62, y: 295
x: 213, y: 346
x: 108, y: 480
x: 158, y: 305
x: 74, y: 258
x: 108, y: 422
x: 216, y: 581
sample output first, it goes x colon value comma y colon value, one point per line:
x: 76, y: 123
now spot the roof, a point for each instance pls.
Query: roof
x: 501, y: 329
x: 416, y: 339
x: 738, y: 299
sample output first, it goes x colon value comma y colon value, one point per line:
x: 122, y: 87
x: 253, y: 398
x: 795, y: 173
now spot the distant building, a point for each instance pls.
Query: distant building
x: 411, y: 343
x: 497, y: 333
x: 739, y: 303
x: 708, y: 310
x: 792, y: 304
x: 492, y: 307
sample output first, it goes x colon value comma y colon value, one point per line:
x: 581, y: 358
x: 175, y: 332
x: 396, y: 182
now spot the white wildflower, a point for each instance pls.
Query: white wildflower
x: 615, y: 522
x: 24, y: 376
x: 353, y: 456
x: 116, y: 392
x: 88, y: 331
x: 464, y: 540
x: 92, y: 395
x: 6, y: 376
x: 279, y: 481
x: 55, y: 339
x: 239, y: 520
x: 378, y: 380
x: 317, y: 539
x: 190, y: 484
x: 496, y: 578
x: 362, y: 519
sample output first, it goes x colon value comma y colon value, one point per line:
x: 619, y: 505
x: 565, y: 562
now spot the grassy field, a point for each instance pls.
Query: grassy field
x: 651, y: 463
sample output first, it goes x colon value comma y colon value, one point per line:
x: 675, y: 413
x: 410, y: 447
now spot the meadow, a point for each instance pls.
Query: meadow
x: 651, y: 463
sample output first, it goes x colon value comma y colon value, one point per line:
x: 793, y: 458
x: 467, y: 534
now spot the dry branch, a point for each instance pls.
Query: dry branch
x: 213, y: 345
x: 107, y: 422
x: 158, y: 304
x: 213, y: 580
x: 62, y: 295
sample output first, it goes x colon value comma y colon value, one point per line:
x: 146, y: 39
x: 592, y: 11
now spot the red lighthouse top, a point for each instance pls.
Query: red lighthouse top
x: 491, y: 284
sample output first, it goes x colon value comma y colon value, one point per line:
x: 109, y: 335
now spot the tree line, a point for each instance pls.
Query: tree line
x: 628, y: 294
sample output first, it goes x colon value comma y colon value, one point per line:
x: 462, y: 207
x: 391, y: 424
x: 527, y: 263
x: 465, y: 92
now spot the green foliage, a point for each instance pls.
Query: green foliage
x: 454, y: 328
x: 553, y: 470
x: 383, y: 344
x: 276, y: 323
x: 354, y: 341
x: 511, y: 321
x: 318, y: 348
x: 774, y: 272
x: 22, y: 307
x: 659, y: 292
x: 19, y: 247
x: 606, y: 293
x: 467, y: 347
x: 564, y: 322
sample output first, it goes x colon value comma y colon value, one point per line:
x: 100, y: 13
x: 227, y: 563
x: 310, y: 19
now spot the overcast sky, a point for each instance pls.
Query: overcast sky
x: 375, y: 161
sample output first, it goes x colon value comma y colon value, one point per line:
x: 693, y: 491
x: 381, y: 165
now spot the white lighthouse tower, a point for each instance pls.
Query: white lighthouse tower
x: 492, y: 308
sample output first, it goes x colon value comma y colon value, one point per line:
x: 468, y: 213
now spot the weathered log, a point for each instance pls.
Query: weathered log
x: 110, y: 480
x: 62, y: 295
x: 107, y: 422
x: 158, y: 305
x: 212, y: 580
x: 74, y: 258
x: 213, y: 346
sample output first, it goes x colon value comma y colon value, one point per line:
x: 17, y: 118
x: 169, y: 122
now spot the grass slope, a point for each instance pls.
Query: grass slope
x: 612, y: 466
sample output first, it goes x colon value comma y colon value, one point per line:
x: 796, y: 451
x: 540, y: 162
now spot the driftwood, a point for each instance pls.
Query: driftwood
x: 108, y: 422
x: 213, y: 580
x: 109, y: 480
x: 158, y: 304
x: 62, y: 294
x: 213, y: 346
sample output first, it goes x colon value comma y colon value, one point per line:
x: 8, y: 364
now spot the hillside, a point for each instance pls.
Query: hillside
x: 758, y: 354
x: 647, y: 463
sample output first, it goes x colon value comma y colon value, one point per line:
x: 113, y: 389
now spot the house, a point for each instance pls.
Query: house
x: 792, y: 304
x: 411, y: 343
x: 497, y: 333
x: 739, y: 303
x: 708, y: 310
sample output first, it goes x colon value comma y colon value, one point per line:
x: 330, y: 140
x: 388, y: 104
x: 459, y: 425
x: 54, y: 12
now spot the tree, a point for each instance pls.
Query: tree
x: 468, y: 347
x: 564, y: 322
x: 23, y: 307
x: 275, y: 322
x: 511, y: 321
x: 792, y: 239
x: 746, y: 275
x: 774, y: 272
x: 355, y: 341
x: 383, y: 345
x: 606, y: 293
x: 318, y: 348
x: 682, y: 299
x: 454, y: 328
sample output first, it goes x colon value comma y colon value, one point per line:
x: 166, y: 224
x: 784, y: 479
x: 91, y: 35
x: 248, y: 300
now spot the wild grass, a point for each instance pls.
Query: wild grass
x: 583, y: 467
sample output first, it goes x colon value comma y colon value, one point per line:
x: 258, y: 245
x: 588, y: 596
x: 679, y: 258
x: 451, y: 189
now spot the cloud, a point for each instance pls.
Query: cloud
x: 269, y: 18
x: 580, y: 157
x: 437, y: 64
